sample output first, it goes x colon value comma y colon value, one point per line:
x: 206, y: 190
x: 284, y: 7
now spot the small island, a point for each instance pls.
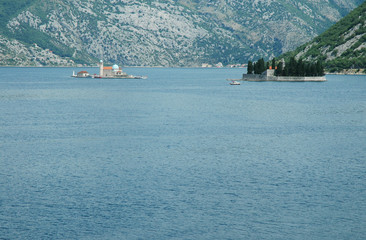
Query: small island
x: 107, y: 72
x: 291, y: 71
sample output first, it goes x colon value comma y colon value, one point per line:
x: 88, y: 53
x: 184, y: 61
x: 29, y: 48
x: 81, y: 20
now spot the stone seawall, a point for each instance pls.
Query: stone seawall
x: 263, y: 77
x: 300, y: 79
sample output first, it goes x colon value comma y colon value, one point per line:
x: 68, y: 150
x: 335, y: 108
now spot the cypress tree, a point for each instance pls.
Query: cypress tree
x: 274, y: 63
x: 292, y: 67
x: 322, y: 72
x: 255, y: 68
x: 307, y: 69
x: 261, y: 67
x: 285, y: 71
x: 300, y: 68
x: 319, y: 69
x: 312, y: 70
x: 278, y: 71
x: 250, y: 67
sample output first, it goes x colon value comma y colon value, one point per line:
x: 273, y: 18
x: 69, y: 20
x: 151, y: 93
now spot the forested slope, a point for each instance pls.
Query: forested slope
x: 342, y: 46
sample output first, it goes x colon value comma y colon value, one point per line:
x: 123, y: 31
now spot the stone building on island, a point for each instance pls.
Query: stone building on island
x: 82, y: 74
x: 107, y: 72
x: 111, y: 72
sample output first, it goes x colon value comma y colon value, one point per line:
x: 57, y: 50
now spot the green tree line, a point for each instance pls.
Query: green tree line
x: 293, y: 67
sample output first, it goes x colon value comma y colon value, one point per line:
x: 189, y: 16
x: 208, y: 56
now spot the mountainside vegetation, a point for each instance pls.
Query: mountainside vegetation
x: 164, y: 32
x: 342, y: 46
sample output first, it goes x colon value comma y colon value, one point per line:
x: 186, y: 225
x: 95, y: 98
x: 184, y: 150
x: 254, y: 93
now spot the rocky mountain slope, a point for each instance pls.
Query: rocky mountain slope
x: 15, y: 53
x: 343, y: 46
x: 165, y: 32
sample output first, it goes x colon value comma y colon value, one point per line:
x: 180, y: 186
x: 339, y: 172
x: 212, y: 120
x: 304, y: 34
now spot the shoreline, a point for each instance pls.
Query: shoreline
x: 357, y: 72
x: 351, y: 71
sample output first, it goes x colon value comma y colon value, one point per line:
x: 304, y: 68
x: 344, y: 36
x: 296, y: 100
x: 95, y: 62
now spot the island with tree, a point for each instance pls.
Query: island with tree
x: 291, y: 71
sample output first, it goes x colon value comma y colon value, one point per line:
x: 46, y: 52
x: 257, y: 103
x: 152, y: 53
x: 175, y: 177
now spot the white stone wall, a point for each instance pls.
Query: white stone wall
x: 258, y: 78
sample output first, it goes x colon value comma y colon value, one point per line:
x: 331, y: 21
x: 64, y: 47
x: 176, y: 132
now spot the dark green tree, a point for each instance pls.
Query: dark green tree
x: 256, y: 67
x: 300, y: 68
x: 250, y: 67
x: 262, y: 66
x: 259, y: 66
x: 285, y: 71
x: 274, y: 63
x: 319, y: 69
x: 312, y: 70
x: 307, y: 69
x: 279, y: 70
x: 292, y: 67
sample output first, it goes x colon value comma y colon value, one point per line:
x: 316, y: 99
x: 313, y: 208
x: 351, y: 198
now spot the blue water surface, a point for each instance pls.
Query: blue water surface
x: 180, y: 155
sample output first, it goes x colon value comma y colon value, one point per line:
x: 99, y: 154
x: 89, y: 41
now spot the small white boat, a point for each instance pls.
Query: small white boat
x: 234, y: 83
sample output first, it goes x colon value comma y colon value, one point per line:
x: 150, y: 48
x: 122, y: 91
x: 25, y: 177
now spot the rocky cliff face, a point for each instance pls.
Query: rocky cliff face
x: 174, y: 33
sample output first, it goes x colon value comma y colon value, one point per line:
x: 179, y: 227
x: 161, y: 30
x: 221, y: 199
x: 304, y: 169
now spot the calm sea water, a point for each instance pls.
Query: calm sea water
x: 180, y: 155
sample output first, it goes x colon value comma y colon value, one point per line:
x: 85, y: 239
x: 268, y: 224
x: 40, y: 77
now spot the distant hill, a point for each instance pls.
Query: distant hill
x: 28, y: 46
x: 342, y: 46
x: 164, y: 32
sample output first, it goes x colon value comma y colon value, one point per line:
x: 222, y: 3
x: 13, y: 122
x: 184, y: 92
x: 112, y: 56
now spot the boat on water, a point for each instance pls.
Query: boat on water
x: 114, y: 72
x: 233, y: 82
